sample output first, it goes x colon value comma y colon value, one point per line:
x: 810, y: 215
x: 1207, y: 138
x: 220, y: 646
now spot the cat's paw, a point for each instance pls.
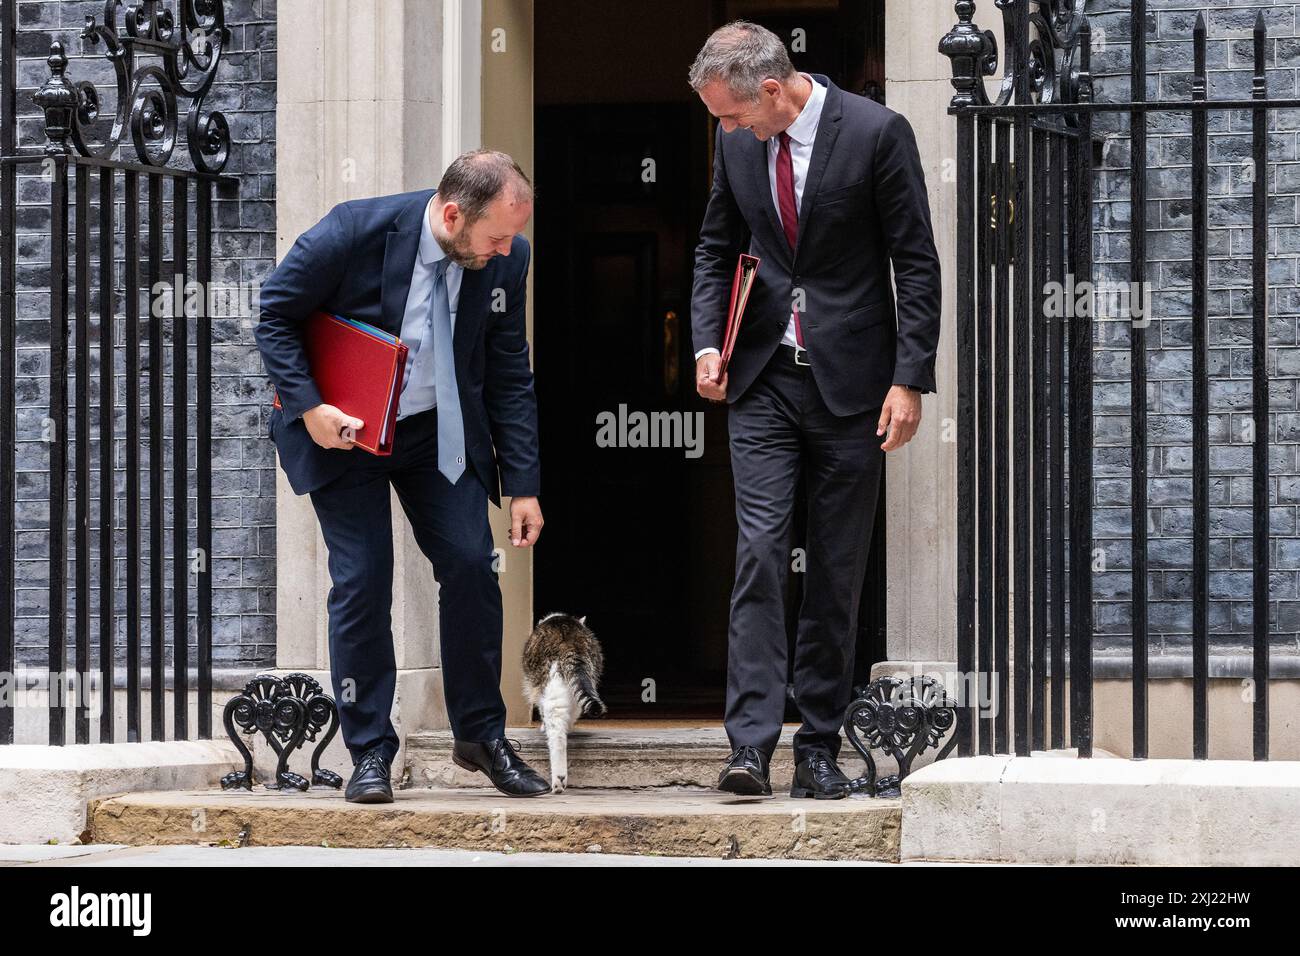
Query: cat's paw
x: 557, y: 784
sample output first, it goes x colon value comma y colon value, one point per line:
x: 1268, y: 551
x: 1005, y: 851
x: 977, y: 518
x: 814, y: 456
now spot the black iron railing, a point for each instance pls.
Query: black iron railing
x: 1025, y: 164
x: 159, y: 56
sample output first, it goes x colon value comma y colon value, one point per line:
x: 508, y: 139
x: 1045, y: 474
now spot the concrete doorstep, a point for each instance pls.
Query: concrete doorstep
x: 661, y: 822
x: 632, y: 791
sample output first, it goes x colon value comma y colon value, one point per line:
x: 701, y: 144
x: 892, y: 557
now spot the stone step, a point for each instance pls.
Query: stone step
x: 664, y: 821
x: 606, y: 756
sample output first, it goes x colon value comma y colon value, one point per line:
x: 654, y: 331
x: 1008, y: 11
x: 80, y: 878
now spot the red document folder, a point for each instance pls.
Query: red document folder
x: 358, y: 369
x: 741, y: 285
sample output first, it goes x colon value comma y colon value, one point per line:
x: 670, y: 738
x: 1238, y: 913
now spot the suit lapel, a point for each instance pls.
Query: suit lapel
x: 399, y: 261
x: 828, y: 128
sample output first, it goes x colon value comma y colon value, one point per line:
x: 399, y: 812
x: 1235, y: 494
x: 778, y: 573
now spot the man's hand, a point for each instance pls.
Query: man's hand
x: 708, y: 382
x: 525, y: 521
x: 901, y: 414
x: 331, y: 428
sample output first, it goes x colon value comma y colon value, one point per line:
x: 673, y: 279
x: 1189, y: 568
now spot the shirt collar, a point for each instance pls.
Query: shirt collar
x: 430, y: 251
x: 804, y: 128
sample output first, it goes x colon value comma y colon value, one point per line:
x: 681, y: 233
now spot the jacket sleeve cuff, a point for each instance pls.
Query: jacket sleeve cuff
x: 521, y: 485
x: 302, y: 401
x: 919, y: 377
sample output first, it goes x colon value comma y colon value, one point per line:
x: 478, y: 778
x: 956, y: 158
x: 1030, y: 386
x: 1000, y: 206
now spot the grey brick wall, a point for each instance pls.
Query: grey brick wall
x: 243, y: 562
x: 1169, y: 395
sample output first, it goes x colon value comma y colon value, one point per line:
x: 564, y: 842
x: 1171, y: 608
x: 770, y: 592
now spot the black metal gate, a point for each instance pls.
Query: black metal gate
x: 159, y: 55
x: 1025, y: 180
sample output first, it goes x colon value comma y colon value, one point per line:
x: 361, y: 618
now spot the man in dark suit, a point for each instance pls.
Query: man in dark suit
x: 444, y: 270
x: 826, y: 188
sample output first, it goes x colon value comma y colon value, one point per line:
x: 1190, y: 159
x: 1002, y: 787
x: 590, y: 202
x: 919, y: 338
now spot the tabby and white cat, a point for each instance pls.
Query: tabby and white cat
x: 562, y: 666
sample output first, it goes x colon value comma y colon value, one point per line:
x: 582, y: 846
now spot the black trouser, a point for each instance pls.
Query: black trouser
x: 780, y: 429
x: 451, y: 527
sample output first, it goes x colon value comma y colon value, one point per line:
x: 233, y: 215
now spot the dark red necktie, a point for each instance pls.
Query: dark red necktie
x: 786, y: 204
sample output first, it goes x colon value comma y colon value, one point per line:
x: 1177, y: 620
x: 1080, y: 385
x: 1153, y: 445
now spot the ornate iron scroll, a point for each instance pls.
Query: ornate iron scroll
x: 288, y: 711
x: 902, y: 718
x: 1052, y: 65
x: 189, y: 46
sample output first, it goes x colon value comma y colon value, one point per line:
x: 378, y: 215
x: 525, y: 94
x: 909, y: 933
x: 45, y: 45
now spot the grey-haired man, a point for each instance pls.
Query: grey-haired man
x: 826, y: 188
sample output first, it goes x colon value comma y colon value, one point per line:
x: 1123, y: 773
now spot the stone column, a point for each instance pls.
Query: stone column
x: 921, y: 479
x: 373, y: 97
x: 507, y: 124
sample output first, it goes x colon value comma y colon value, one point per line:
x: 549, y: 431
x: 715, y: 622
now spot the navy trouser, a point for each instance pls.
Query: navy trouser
x: 780, y: 428
x: 451, y: 527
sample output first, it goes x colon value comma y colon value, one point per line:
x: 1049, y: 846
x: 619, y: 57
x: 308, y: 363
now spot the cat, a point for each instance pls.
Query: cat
x: 562, y: 666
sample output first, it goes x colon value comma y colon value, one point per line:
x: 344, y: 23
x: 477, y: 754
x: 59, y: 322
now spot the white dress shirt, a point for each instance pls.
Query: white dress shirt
x: 803, y: 132
x: 418, y: 392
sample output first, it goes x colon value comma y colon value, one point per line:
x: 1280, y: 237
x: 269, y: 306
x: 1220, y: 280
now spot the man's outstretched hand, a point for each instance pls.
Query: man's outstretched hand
x: 525, y: 521
x: 331, y: 428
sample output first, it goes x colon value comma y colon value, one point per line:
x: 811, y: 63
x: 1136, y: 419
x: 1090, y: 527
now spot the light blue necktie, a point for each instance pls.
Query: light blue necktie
x: 451, y: 426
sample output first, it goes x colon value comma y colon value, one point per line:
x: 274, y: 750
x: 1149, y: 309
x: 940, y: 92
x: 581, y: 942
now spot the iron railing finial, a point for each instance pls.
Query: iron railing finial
x: 974, y: 55
x: 58, y: 99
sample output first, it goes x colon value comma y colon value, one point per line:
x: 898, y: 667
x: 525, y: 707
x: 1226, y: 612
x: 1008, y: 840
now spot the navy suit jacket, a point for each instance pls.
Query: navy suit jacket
x: 864, y: 207
x: 357, y: 262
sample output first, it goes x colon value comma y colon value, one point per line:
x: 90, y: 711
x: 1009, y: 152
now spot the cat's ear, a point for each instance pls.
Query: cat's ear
x: 583, y: 620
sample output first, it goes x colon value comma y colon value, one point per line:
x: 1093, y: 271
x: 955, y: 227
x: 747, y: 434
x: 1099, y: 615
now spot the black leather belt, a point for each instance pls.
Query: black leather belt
x: 795, y: 355
x: 418, y: 417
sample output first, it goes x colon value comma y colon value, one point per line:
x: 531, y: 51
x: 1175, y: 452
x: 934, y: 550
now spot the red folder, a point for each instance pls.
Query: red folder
x: 741, y: 286
x: 358, y: 369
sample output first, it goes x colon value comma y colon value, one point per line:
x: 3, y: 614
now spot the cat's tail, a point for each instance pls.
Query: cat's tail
x: 588, y: 699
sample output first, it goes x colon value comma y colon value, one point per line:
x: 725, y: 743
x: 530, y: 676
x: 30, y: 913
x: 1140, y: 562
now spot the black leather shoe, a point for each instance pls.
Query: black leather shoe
x: 817, y: 776
x: 370, y: 781
x: 746, y: 774
x: 497, y: 759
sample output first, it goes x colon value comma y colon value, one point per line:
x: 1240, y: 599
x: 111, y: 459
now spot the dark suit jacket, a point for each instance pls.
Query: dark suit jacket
x: 864, y: 205
x: 357, y: 262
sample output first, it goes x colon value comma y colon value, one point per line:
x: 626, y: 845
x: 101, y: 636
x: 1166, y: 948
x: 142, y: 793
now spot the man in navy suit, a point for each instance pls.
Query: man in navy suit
x: 827, y: 189
x: 444, y: 270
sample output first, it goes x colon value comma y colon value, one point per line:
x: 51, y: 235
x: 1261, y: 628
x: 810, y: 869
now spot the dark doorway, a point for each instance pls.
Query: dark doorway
x: 642, y: 539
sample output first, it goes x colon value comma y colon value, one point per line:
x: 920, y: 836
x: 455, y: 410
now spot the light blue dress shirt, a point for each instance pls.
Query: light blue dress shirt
x: 418, y: 386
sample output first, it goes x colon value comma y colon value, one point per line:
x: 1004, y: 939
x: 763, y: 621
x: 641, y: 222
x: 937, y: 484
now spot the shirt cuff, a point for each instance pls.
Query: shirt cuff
x: 706, y: 351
